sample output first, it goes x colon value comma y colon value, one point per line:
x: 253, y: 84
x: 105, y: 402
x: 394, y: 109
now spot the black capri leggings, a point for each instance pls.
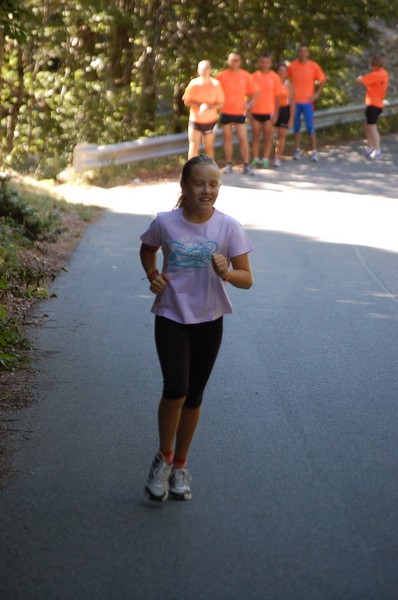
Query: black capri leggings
x: 187, y: 354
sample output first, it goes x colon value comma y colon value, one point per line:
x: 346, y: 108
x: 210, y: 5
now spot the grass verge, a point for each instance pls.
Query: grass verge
x: 37, y: 233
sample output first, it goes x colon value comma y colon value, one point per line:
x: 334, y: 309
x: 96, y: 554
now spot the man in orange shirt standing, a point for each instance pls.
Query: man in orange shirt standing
x: 304, y: 74
x: 376, y: 83
x: 265, y: 109
x: 204, y: 96
x: 239, y: 92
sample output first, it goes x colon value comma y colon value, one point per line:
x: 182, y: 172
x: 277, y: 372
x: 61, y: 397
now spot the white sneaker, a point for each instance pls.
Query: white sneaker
x: 375, y: 154
x: 247, y: 170
x: 277, y: 162
x: 179, y: 484
x: 297, y: 154
x: 157, y: 485
x: 228, y: 169
x: 367, y: 151
x: 315, y: 156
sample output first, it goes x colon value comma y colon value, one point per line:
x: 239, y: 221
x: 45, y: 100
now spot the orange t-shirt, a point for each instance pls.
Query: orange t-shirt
x: 376, y: 83
x: 209, y: 92
x: 285, y: 93
x: 303, y: 77
x: 237, y: 86
x: 269, y: 85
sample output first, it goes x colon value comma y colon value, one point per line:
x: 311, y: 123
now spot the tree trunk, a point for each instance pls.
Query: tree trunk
x: 14, y: 112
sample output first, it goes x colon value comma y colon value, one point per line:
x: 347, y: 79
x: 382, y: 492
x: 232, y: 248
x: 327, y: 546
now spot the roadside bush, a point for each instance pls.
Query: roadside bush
x: 28, y: 220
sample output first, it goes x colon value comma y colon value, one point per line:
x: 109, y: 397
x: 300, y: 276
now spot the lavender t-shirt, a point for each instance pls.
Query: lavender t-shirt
x: 194, y: 293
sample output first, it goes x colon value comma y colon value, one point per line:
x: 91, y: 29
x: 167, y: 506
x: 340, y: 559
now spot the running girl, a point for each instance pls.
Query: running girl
x: 203, y: 251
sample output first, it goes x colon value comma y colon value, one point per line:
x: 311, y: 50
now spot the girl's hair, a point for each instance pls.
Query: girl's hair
x: 377, y: 60
x: 202, y: 159
x: 282, y: 64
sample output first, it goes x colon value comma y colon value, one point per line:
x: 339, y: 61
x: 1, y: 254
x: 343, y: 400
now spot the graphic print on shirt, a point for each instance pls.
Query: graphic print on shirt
x: 190, y: 252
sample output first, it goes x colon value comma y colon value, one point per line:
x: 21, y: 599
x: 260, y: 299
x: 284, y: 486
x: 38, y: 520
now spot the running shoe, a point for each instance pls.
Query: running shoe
x: 315, y: 156
x: 256, y: 162
x: 157, y: 485
x: 179, y: 484
x: 247, y: 170
x: 297, y: 154
x: 265, y: 163
x: 277, y: 162
x: 227, y: 169
x: 375, y: 154
x: 367, y: 151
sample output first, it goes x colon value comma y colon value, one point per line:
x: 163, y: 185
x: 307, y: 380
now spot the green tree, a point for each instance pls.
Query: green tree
x: 105, y: 72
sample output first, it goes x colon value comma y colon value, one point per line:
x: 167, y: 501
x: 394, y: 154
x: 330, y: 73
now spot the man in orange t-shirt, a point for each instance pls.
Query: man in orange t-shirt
x: 376, y: 83
x: 239, y: 90
x: 304, y: 74
x: 265, y: 109
x: 204, y: 96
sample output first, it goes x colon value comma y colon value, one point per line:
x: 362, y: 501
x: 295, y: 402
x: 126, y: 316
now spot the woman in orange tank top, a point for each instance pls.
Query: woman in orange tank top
x: 286, y: 113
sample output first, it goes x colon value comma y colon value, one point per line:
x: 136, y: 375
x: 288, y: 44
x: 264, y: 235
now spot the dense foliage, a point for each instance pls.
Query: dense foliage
x: 105, y: 72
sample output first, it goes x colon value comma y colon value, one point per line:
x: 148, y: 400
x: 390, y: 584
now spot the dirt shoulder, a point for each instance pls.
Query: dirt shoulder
x: 17, y: 386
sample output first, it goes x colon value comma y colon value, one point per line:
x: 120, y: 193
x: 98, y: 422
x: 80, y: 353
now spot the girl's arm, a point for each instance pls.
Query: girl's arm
x: 148, y: 257
x: 240, y: 275
x: 148, y: 260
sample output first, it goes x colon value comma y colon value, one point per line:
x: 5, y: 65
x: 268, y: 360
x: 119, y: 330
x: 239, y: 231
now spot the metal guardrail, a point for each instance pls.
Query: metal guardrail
x: 90, y: 156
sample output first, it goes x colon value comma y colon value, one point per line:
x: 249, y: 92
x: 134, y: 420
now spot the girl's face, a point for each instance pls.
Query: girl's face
x: 201, y: 190
x: 282, y: 72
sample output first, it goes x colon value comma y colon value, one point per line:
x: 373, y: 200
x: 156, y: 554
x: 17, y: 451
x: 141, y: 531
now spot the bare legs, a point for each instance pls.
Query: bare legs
x: 372, y: 135
x: 177, y: 424
x: 297, y: 140
x: 265, y: 128
x: 195, y: 139
x: 241, y: 133
x: 280, y: 141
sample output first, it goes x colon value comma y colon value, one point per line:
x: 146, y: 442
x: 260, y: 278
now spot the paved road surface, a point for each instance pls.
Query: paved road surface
x: 295, y: 463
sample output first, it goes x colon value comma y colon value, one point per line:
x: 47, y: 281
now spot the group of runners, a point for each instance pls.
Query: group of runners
x: 270, y: 100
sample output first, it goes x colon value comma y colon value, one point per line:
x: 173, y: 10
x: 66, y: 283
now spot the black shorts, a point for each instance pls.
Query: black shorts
x: 372, y: 113
x: 283, y: 117
x: 261, y: 118
x: 234, y: 119
x: 204, y: 128
x: 187, y: 354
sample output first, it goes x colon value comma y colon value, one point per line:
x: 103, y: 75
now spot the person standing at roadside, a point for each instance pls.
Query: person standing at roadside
x: 264, y: 110
x: 204, y: 96
x: 308, y: 81
x: 239, y: 93
x: 376, y: 83
x: 286, y: 113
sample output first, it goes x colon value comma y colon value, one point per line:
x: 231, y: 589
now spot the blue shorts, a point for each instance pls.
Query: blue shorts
x: 306, y: 109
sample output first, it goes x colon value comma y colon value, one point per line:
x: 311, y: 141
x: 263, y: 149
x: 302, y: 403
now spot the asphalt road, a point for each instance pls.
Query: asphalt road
x: 294, y: 465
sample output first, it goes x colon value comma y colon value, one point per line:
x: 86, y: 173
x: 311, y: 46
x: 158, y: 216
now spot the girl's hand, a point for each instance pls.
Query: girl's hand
x: 220, y: 265
x: 158, y: 283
